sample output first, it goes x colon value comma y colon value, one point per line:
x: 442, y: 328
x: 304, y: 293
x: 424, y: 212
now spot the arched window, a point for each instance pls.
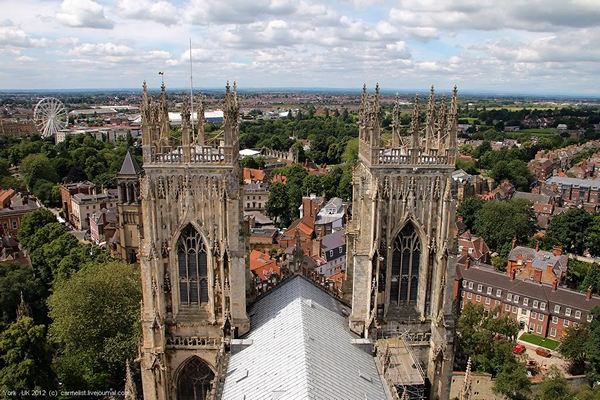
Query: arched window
x: 194, y: 380
x: 191, y: 260
x: 406, y: 258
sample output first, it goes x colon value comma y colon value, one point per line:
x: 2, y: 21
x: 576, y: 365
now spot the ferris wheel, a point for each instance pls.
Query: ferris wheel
x: 50, y: 116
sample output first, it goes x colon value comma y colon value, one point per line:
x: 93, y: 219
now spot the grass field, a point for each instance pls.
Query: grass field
x: 539, y: 341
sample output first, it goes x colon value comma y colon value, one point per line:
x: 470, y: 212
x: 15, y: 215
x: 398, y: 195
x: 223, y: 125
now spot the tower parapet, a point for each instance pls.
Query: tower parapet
x: 158, y: 149
x: 433, y: 144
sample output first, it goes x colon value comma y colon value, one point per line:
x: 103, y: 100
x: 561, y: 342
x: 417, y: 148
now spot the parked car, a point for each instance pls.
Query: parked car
x: 540, y: 351
x: 518, y: 349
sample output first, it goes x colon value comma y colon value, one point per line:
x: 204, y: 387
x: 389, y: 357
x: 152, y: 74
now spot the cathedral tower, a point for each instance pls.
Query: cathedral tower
x: 400, y: 239
x: 192, y: 255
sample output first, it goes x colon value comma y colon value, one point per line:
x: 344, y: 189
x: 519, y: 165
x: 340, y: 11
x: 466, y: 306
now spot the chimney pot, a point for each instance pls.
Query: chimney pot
x: 514, y: 243
x: 537, y: 246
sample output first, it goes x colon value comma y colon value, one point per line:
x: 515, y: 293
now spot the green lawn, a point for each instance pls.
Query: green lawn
x: 539, y: 341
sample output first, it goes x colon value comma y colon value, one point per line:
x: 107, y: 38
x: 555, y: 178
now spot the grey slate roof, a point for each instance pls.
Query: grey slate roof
x: 130, y: 166
x: 567, y: 181
x: 300, y: 349
x: 540, y: 259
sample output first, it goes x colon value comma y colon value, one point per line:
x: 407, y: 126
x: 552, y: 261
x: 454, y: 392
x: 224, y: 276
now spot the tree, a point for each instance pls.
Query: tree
x: 468, y: 209
x: 570, y: 229
x: 312, y: 184
x: 498, y: 222
x: 18, y: 280
x: 35, y: 167
x: 554, y: 386
x: 345, y: 186
x: 26, y: 358
x: 350, y: 154
x: 573, y: 345
x: 593, y: 236
x: 593, y: 346
x: 95, y: 325
x: 252, y: 162
x: 33, y: 221
x: 46, y: 259
x: 513, y: 382
x: 277, y: 205
x: 592, y: 278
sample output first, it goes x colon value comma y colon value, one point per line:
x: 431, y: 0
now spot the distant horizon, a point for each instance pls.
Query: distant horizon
x: 318, y: 89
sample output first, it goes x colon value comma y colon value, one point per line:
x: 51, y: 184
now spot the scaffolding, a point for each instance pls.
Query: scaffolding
x: 400, y: 368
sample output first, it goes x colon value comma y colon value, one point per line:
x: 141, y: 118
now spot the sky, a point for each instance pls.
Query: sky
x: 511, y: 46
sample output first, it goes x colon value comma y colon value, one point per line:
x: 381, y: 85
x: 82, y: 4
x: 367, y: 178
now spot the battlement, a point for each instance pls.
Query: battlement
x: 434, y: 144
x: 156, y: 146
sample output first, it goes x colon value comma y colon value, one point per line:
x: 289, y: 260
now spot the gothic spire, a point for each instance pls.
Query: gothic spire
x: 396, y: 123
x: 200, y: 120
x: 452, y: 125
x: 22, y: 308
x: 430, y: 123
x: 185, y: 122
x: 130, y: 389
x: 415, y: 123
x: 465, y: 392
x: 442, y: 119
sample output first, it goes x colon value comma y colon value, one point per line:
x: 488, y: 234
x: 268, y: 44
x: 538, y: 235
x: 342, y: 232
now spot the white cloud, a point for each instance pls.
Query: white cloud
x: 163, y: 12
x: 83, y: 14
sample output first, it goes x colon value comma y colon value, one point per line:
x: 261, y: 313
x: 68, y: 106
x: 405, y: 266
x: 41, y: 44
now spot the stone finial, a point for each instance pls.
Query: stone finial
x: 404, y: 395
x: 465, y: 392
x: 130, y: 389
x: 22, y: 309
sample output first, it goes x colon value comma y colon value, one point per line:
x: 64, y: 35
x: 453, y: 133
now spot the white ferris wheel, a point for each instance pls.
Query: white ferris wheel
x: 50, y: 116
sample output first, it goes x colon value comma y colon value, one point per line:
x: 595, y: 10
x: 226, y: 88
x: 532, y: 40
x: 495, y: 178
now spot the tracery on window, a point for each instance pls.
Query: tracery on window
x: 406, y: 256
x: 192, y: 267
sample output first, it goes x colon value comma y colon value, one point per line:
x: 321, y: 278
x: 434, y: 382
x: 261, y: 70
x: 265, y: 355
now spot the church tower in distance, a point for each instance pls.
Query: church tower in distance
x: 192, y: 255
x: 400, y: 238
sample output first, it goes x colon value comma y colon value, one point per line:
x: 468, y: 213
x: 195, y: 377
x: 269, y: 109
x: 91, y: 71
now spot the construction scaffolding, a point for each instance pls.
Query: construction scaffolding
x: 400, y: 368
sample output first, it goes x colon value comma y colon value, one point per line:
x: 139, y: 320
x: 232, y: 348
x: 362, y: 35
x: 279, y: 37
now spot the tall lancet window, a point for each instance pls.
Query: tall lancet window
x: 191, y: 260
x: 405, y: 267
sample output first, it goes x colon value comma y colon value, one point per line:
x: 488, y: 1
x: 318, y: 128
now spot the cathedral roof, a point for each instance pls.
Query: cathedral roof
x: 130, y: 166
x: 300, y: 347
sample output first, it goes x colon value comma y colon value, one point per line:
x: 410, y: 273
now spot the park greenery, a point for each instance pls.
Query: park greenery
x: 72, y: 317
x: 43, y: 165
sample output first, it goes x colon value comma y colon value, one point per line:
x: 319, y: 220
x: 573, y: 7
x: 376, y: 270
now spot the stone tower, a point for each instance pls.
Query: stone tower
x: 400, y: 239
x: 192, y: 256
x: 129, y: 212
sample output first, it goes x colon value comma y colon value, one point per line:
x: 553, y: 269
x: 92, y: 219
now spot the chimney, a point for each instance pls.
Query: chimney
x: 557, y: 251
x: 514, y: 242
x: 588, y: 295
x: 554, y: 285
x: 467, y: 263
x: 316, y: 247
x: 512, y: 275
x: 460, y: 218
x: 537, y: 246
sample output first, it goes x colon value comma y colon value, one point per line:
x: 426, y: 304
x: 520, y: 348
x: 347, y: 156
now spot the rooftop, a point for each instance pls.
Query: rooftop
x: 300, y: 347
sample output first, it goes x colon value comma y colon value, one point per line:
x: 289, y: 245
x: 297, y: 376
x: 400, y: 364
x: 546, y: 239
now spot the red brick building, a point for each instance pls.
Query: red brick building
x: 543, y: 309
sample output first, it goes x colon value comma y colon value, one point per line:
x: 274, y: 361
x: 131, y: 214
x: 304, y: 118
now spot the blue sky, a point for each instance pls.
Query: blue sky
x: 518, y: 46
